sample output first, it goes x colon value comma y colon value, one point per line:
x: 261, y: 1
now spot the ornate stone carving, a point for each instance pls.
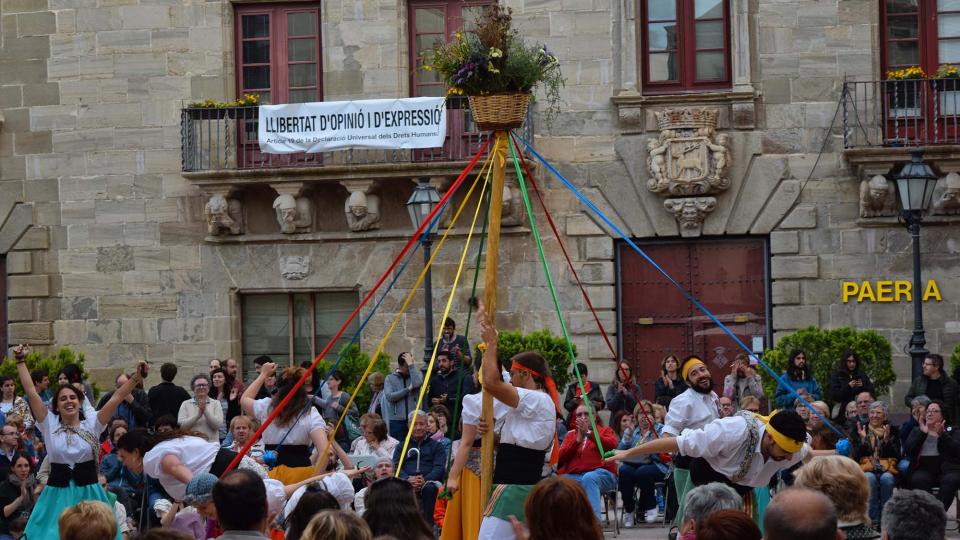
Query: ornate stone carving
x: 877, y: 197
x: 512, y: 211
x: 688, y: 157
x: 294, y: 214
x: 690, y: 160
x: 363, y: 211
x: 947, y: 202
x: 295, y: 267
x: 224, y: 216
x: 690, y: 213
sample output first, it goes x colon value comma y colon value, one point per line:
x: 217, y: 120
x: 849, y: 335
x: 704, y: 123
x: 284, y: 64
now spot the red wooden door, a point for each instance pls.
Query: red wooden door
x: 728, y: 277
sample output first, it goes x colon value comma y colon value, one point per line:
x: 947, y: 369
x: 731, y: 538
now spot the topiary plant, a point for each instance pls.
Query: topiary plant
x: 955, y: 359
x: 52, y: 365
x: 554, y: 350
x: 823, y: 349
x: 353, y: 364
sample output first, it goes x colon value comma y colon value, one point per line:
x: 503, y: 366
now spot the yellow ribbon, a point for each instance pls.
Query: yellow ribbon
x: 786, y: 443
x: 690, y: 364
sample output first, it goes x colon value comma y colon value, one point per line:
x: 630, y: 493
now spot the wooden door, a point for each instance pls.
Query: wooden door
x: 728, y: 277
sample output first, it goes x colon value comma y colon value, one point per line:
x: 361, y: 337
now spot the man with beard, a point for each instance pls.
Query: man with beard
x: 443, y: 385
x: 455, y: 344
x: 743, y: 451
x: 697, y: 406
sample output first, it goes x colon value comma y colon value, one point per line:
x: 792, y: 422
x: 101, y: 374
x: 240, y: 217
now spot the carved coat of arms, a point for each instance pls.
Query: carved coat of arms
x: 688, y: 161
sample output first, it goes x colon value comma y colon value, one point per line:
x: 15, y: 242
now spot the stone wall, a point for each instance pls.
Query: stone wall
x: 118, y: 266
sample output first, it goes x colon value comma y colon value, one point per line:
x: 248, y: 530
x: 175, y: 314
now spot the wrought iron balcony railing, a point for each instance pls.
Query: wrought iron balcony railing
x: 901, y: 112
x: 226, y: 139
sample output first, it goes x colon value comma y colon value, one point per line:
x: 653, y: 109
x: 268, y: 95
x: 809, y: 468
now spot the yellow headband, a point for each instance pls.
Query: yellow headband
x: 786, y: 443
x: 692, y: 363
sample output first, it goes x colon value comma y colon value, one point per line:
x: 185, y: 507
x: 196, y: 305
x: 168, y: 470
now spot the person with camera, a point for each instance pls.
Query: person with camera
x: 623, y: 392
x: 847, y: 382
x: 877, y: 448
x: 72, y: 439
x: 742, y: 381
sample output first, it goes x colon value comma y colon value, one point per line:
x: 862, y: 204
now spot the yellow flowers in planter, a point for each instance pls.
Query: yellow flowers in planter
x: 912, y: 72
x: 247, y: 100
x: 947, y: 71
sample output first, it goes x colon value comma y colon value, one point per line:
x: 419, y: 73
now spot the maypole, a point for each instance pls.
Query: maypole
x: 499, y: 155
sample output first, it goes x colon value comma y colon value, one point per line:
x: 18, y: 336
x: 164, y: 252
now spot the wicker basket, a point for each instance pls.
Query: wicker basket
x: 499, y: 112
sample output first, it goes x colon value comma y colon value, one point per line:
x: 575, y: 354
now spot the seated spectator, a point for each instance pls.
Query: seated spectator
x: 437, y: 428
x: 802, y: 410
x: 166, y: 423
x: 750, y: 404
x: 18, y: 494
x: 840, y: 479
x: 557, y: 508
x: 913, y: 515
x: 659, y: 413
x: 242, y: 428
x: 623, y: 392
x: 383, y: 469
x: 814, y: 421
x: 337, y: 525
x: 918, y: 408
x: 240, y: 499
x: 877, y: 448
x: 863, y: 401
x: 179, y: 518
x: 118, y: 477
x: 29, y: 438
x: 727, y: 408
x: 312, y: 502
x: 9, y: 443
x: 110, y: 436
x: 581, y: 460
x: 391, y: 509
x: 87, y: 520
x: 801, y: 514
x: 702, y: 501
x: 199, y: 494
x: 851, y: 410
x: 742, y: 381
x: 642, y: 472
x: 728, y: 525
x: 572, y: 398
x: 423, y: 465
x: 938, y: 449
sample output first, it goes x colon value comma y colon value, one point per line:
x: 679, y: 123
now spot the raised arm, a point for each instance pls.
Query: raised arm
x: 503, y: 391
x: 37, y: 407
x: 658, y: 446
x: 250, y: 394
x: 107, y: 411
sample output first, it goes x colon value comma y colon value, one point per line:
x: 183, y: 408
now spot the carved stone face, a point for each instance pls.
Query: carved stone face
x: 288, y: 215
x: 358, y: 211
x: 690, y: 216
x: 878, y: 195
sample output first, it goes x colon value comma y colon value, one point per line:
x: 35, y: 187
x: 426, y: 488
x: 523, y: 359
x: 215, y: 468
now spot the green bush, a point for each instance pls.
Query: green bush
x: 554, y: 350
x: 955, y: 359
x: 823, y: 349
x: 52, y: 365
x: 353, y: 365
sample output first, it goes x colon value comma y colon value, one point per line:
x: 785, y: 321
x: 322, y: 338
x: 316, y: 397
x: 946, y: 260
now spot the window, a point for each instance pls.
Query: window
x: 923, y: 33
x: 432, y: 22
x: 278, y: 52
x: 294, y: 327
x: 686, y: 45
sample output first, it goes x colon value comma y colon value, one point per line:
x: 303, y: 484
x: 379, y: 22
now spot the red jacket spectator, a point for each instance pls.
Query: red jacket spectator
x: 583, y: 456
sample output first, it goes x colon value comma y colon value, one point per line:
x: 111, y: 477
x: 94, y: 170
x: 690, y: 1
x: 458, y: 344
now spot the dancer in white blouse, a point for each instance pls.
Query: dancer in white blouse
x: 71, y: 435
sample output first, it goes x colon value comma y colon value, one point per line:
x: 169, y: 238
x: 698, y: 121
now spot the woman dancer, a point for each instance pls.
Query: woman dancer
x: 529, y: 431
x: 72, y: 438
x: 294, y: 454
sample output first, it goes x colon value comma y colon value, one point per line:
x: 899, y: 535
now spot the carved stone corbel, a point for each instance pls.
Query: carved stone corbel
x: 224, y: 213
x: 877, y: 197
x: 947, y: 195
x: 362, y: 208
x: 294, y: 210
x: 295, y: 267
x: 690, y: 213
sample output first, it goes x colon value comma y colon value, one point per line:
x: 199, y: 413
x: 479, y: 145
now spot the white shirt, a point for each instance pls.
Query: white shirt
x: 65, y: 447
x: 361, y: 447
x: 532, y: 424
x: 300, y: 434
x: 472, y: 409
x: 722, y: 443
x: 195, y: 453
x: 690, y: 410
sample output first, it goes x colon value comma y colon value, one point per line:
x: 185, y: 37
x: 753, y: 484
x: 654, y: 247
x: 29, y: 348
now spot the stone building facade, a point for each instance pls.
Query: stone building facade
x: 121, y: 262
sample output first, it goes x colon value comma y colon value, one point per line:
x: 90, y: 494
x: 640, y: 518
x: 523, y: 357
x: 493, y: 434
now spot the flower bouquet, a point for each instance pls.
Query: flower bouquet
x: 497, y: 71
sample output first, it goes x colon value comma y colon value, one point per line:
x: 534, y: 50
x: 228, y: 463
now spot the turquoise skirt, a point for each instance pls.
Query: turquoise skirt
x: 43, y: 522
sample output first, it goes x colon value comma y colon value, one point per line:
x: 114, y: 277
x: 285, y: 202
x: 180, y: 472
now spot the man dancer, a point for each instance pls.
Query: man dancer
x: 697, y: 406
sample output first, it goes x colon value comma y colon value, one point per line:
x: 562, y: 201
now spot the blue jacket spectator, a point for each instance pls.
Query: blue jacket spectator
x: 423, y: 466
x: 800, y: 377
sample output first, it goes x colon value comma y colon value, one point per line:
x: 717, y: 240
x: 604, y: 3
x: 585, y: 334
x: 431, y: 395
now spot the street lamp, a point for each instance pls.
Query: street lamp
x: 915, y: 183
x: 420, y: 204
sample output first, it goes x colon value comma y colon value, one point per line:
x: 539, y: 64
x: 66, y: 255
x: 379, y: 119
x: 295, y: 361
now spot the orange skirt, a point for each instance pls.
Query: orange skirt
x: 291, y: 475
x: 465, y: 510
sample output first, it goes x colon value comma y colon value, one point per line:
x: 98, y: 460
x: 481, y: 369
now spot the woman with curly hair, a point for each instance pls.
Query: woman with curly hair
x: 293, y: 457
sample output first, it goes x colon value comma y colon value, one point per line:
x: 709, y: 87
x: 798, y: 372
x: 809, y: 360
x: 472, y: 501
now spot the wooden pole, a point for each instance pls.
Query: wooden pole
x: 499, y: 151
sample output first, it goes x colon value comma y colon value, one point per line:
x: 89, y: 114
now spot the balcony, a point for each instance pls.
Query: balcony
x: 224, y: 141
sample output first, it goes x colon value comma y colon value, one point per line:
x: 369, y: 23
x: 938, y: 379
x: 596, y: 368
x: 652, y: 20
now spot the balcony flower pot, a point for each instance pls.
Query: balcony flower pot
x: 210, y: 113
x: 499, y: 112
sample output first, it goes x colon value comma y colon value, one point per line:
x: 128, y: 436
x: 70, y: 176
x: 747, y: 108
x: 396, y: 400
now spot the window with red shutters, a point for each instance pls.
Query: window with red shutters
x: 685, y: 45
x: 433, y: 22
x: 923, y: 33
x: 278, y: 52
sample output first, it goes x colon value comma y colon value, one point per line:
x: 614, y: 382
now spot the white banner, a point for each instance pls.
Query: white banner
x: 333, y: 125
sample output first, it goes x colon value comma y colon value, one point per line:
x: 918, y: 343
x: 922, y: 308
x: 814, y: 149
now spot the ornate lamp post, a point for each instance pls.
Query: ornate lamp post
x: 420, y: 204
x: 915, y: 183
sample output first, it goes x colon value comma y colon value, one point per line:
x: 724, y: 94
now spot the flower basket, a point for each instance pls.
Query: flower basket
x: 499, y: 112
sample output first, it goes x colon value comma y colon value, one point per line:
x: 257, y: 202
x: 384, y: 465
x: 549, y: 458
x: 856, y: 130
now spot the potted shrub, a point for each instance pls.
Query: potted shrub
x: 497, y: 71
